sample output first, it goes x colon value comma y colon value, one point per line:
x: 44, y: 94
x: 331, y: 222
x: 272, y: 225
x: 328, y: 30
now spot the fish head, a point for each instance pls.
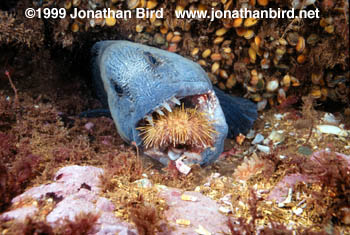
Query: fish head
x: 141, y: 81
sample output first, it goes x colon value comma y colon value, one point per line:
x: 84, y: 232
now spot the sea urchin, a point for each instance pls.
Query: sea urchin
x: 182, y: 126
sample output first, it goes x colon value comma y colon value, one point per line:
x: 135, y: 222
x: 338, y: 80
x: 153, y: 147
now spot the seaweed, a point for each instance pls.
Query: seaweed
x: 145, y: 219
x: 82, y: 224
x: 31, y: 226
x: 332, y: 172
x: 123, y: 165
x: 245, y: 226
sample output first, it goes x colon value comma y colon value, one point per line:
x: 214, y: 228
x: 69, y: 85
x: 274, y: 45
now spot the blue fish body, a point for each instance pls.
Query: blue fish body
x: 136, y: 81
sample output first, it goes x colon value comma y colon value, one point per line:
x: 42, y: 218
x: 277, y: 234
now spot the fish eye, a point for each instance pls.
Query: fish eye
x: 118, y: 89
x: 151, y: 59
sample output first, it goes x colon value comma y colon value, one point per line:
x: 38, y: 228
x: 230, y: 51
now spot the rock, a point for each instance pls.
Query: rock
x: 280, y: 192
x: 330, y: 119
x: 276, y: 137
x: 71, y: 206
x: 279, y: 116
x: 143, y: 183
x: 334, y: 130
x: 263, y: 148
x: 88, y: 126
x: 76, y: 188
x: 201, y: 213
x: 86, y: 202
x: 19, y: 214
x: 258, y: 139
x: 320, y: 154
x: 68, y: 181
x: 298, y: 211
x: 305, y: 150
x: 250, y: 134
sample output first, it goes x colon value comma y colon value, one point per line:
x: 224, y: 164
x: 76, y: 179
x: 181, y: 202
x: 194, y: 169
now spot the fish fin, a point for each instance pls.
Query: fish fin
x: 240, y: 113
x: 96, y: 113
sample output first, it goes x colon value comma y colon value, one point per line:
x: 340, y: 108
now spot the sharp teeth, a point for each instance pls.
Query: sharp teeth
x: 167, y: 107
x: 160, y: 112
x: 176, y: 101
x: 149, y: 119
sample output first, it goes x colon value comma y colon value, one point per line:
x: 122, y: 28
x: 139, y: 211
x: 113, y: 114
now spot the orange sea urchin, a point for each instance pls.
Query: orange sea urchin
x: 182, y: 126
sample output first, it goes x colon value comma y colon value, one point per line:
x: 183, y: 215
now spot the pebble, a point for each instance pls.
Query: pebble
x: 202, y: 231
x: 182, y: 167
x: 305, y: 150
x: 334, y: 130
x: 250, y: 134
x: 276, y: 137
x: 258, y: 139
x: 330, y: 119
x: 227, y: 199
x: 88, y: 126
x: 144, y: 183
x: 298, y: 211
x: 288, y: 199
x: 279, y: 116
x: 263, y: 148
x: 225, y: 210
x: 266, y: 141
x: 267, y: 125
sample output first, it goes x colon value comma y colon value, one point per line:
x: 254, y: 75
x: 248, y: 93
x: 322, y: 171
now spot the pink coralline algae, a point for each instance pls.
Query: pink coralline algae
x: 76, y: 188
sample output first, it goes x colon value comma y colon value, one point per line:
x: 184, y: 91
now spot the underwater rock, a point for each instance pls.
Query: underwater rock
x: 76, y: 190
x: 19, y: 214
x: 86, y: 202
x: 320, y: 154
x: 280, y: 191
x: 258, y: 139
x: 276, y: 137
x: 329, y: 118
x: 200, y: 212
x: 263, y: 148
x: 333, y: 130
x: 68, y: 180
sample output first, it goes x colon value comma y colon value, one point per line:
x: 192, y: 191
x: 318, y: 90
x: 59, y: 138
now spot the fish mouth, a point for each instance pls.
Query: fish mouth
x: 183, y: 127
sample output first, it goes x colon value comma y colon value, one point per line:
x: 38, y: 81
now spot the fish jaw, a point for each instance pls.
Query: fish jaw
x: 210, y: 105
x: 140, y: 80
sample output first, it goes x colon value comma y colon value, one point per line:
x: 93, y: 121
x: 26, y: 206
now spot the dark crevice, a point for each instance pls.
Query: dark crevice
x: 7, y: 5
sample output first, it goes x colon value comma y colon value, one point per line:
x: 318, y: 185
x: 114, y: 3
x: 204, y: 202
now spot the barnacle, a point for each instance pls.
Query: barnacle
x: 182, y: 126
